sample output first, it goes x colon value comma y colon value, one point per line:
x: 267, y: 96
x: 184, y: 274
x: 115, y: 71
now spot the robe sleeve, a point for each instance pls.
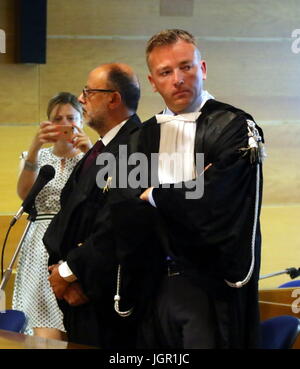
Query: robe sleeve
x: 94, y: 262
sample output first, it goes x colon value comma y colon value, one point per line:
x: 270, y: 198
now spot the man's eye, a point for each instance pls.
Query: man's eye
x: 165, y: 73
x: 186, y: 67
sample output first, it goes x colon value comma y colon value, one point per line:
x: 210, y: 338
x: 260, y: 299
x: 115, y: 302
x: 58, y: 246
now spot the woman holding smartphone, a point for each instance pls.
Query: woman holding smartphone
x: 32, y: 291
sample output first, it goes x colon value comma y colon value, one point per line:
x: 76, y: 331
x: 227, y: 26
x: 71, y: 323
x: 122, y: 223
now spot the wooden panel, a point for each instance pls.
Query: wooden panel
x: 182, y: 8
x: 15, y: 140
x: 271, y: 310
x: 254, y: 67
x: 256, y: 71
x: 7, y: 15
x: 20, y: 93
x: 261, y: 77
x: 12, y: 340
x: 19, y: 83
x: 101, y: 17
x: 12, y: 243
x: 280, y: 243
x: 281, y: 169
x: 265, y: 108
x: 271, y: 18
x: 8, y: 24
x: 282, y: 296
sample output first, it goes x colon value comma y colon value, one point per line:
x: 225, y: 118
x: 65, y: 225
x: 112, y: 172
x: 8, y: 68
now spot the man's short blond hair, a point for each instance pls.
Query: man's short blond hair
x: 168, y: 37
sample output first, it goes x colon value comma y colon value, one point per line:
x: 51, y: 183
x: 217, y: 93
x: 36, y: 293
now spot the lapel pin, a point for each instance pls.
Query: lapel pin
x: 107, y: 185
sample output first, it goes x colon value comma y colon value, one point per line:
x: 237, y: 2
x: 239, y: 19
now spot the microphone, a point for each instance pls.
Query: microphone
x: 46, y: 173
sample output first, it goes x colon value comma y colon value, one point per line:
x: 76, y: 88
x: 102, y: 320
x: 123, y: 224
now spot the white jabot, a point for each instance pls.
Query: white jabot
x: 187, y: 117
x: 176, y: 147
x: 176, y: 151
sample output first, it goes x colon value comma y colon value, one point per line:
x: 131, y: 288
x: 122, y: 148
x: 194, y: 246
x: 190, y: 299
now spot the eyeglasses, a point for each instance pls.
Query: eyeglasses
x: 87, y: 91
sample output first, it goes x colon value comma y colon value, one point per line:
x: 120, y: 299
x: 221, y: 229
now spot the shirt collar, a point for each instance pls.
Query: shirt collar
x: 112, y: 133
x: 205, y: 95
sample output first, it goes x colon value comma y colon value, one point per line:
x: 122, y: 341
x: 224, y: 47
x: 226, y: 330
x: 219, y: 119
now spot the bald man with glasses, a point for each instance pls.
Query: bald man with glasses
x: 80, y: 239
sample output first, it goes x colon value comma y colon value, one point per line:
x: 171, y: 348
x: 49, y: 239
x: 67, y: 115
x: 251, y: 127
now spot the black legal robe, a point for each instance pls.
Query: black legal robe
x: 82, y: 234
x: 211, y: 237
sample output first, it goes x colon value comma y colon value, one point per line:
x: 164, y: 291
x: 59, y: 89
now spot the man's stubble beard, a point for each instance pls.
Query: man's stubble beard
x: 95, y: 123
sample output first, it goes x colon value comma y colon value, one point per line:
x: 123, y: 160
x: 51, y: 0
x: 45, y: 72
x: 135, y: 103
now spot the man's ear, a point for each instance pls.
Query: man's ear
x: 150, y: 79
x: 204, y: 69
x: 115, y: 99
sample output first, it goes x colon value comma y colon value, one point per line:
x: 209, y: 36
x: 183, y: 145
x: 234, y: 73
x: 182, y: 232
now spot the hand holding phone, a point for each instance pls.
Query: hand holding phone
x: 80, y: 140
x: 66, y: 132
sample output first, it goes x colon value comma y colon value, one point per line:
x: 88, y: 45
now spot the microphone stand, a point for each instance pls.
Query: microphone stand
x: 6, y: 275
x: 292, y: 272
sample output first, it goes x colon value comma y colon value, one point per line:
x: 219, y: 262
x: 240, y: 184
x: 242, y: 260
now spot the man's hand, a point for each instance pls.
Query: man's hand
x: 58, y: 284
x: 145, y: 195
x: 74, y: 295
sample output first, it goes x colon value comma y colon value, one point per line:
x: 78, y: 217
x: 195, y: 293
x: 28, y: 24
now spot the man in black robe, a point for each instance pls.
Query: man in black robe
x: 80, y: 240
x: 209, y: 214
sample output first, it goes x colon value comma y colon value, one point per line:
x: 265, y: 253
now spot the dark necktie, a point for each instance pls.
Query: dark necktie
x: 95, y: 151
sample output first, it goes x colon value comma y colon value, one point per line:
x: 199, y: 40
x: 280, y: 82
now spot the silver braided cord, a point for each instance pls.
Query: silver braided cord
x: 248, y: 276
x: 117, y: 297
x: 257, y: 154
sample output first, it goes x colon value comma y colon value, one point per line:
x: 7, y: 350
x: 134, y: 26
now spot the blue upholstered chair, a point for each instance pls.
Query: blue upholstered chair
x: 279, y: 332
x: 293, y: 283
x: 13, y: 320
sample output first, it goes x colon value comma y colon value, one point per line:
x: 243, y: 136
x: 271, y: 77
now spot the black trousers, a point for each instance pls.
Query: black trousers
x: 182, y: 317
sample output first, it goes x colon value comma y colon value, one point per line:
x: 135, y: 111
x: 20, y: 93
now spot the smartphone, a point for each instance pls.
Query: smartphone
x: 66, y: 132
